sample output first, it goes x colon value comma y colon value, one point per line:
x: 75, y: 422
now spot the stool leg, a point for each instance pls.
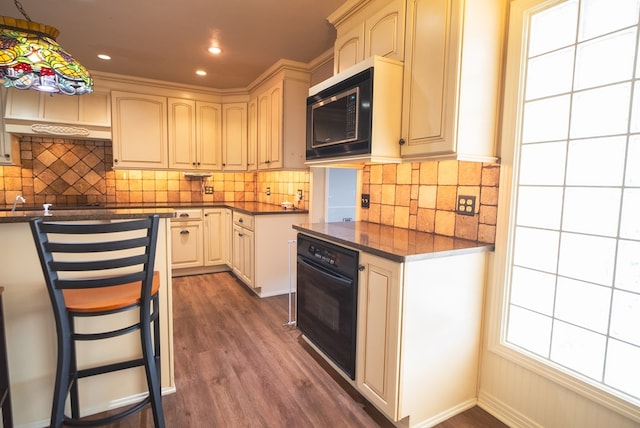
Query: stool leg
x: 151, y: 355
x: 62, y: 372
x: 74, y: 397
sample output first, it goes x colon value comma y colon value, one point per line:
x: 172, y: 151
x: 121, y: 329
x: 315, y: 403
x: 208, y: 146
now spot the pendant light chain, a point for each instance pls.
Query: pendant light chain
x: 21, y: 9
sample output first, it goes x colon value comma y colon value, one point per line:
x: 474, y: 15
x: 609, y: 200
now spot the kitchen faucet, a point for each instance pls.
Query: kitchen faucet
x: 15, y: 202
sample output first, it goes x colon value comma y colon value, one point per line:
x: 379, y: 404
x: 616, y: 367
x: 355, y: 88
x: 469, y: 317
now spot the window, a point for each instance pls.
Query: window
x: 573, y: 270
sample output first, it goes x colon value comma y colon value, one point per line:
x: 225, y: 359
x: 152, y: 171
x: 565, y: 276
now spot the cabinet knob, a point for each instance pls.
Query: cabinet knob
x: 7, y: 155
x: 240, y: 220
x: 267, y: 161
x: 184, y: 232
x: 224, y: 164
x: 240, y: 234
x: 361, y: 268
x: 115, y: 161
x: 193, y: 163
x: 401, y: 142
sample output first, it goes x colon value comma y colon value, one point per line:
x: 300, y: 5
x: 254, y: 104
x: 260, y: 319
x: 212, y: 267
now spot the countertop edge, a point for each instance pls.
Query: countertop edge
x: 479, y: 248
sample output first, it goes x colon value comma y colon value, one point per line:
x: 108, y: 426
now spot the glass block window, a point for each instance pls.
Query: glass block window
x: 574, y: 270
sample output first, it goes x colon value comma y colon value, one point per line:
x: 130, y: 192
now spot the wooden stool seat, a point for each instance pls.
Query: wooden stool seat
x: 107, y: 298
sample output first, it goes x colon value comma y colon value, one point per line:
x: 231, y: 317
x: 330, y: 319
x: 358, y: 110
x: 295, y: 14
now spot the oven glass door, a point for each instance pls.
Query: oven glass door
x: 327, y: 312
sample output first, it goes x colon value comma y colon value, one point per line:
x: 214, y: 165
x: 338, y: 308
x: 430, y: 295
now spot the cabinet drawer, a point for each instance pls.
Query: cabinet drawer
x: 188, y: 214
x: 243, y: 220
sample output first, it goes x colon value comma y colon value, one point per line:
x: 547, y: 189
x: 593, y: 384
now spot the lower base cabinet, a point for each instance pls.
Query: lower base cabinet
x: 419, y: 336
x: 199, y: 241
x: 262, y: 249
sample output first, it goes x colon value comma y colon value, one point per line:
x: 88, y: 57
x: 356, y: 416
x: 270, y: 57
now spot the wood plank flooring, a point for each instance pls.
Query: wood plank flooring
x: 237, y: 365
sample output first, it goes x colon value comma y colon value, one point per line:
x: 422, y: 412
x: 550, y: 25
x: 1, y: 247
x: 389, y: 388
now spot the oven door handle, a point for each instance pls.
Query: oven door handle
x: 336, y: 277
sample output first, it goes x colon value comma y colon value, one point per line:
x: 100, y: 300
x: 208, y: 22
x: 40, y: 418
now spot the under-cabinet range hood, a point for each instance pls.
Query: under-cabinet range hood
x: 85, y: 117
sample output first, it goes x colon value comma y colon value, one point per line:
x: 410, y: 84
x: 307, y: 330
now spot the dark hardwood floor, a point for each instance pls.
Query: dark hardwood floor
x: 237, y: 365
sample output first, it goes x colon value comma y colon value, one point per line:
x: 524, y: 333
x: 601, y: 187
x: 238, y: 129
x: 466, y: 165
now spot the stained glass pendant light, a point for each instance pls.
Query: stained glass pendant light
x: 30, y: 58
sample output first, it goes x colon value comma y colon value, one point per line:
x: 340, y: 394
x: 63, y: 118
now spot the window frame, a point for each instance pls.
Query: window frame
x: 500, y: 261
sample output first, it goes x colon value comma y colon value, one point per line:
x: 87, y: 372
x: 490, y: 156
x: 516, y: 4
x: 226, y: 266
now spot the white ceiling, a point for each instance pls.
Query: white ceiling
x: 168, y: 39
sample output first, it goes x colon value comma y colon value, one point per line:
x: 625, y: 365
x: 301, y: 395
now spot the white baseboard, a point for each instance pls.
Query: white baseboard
x: 504, y: 413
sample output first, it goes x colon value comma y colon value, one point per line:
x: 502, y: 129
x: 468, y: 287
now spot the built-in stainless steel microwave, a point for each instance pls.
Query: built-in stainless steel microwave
x: 339, y: 118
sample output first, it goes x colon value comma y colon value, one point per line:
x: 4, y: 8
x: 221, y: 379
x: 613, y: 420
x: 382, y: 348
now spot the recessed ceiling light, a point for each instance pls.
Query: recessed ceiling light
x: 215, y: 50
x: 201, y: 72
x: 104, y: 57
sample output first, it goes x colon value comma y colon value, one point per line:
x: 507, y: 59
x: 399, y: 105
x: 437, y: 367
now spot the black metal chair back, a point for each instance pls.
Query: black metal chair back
x: 94, y: 270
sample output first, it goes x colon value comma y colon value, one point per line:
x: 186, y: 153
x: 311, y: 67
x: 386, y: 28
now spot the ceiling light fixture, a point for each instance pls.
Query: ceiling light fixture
x: 30, y: 58
x: 201, y: 72
x: 215, y: 50
x: 104, y: 57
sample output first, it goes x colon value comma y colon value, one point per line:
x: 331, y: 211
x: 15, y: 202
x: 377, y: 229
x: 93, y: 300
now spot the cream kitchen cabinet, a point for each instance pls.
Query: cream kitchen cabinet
x: 234, y: 137
x: 9, y: 144
x: 419, y: 335
x: 243, y: 248
x: 252, y: 135
x: 200, y: 240
x: 139, y: 125
x: 281, y: 120
x: 215, y: 236
x: 195, y: 131
x: 31, y: 112
x: 228, y: 237
x: 453, y: 61
x: 186, y: 239
x: 367, y: 28
x: 262, y: 249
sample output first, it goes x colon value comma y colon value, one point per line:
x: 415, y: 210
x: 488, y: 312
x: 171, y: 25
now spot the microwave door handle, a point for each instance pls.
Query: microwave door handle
x: 336, y: 277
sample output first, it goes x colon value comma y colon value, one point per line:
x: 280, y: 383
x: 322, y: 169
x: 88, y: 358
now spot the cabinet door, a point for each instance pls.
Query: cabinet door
x: 243, y: 255
x: 426, y: 72
x: 182, y: 134
x: 453, y: 57
x: 378, y: 367
x: 209, y: 135
x: 228, y: 237
x: 186, y: 244
x: 234, y: 137
x: 384, y: 32
x: 348, y: 49
x: 275, y: 146
x: 264, y: 129
x: 252, y: 135
x: 214, y: 237
x: 139, y: 124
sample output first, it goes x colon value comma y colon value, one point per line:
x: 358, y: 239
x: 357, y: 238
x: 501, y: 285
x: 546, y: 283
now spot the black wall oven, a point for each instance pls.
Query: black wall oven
x: 327, y: 297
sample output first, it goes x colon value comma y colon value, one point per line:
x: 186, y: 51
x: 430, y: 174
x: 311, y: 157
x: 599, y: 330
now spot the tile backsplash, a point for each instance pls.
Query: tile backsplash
x: 77, y: 172
x: 420, y: 196
x: 423, y: 196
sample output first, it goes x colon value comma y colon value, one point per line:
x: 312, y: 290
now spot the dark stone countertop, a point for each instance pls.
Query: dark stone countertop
x: 393, y: 243
x: 134, y: 210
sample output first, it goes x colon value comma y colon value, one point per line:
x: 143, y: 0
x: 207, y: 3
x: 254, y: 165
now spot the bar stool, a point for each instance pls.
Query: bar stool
x: 95, y: 270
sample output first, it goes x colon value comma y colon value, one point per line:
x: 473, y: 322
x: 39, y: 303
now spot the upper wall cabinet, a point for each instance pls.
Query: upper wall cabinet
x: 252, y: 134
x: 9, y: 145
x: 281, y: 120
x: 453, y: 58
x: 195, y: 131
x: 139, y: 130
x: 368, y: 28
x: 86, y: 116
x: 234, y: 137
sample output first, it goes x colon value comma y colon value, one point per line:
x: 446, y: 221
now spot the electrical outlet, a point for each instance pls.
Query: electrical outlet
x: 268, y: 191
x: 299, y: 195
x: 466, y: 205
x: 208, y: 190
x: 365, y: 200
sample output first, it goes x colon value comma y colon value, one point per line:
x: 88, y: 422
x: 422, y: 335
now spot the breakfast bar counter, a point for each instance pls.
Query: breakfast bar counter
x: 30, y: 327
